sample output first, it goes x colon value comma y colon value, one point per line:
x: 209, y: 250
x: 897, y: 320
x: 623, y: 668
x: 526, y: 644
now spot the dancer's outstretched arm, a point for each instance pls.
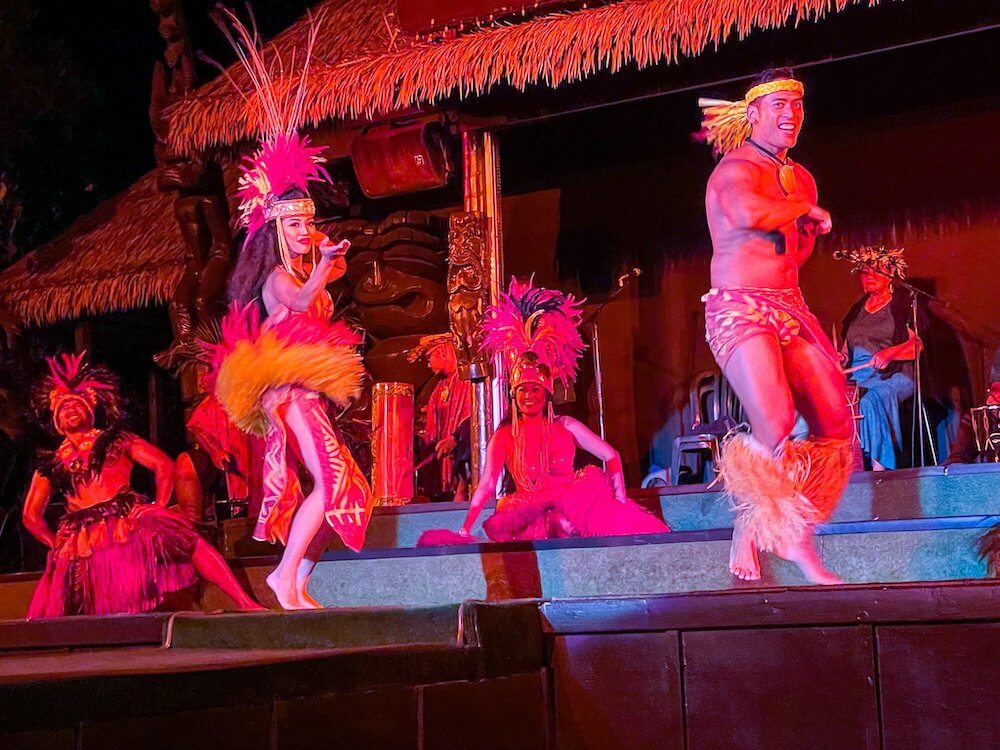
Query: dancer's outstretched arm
x: 287, y: 291
x: 588, y: 441
x: 148, y: 455
x: 39, y: 494
x: 299, y: 298
x: 496, y: 457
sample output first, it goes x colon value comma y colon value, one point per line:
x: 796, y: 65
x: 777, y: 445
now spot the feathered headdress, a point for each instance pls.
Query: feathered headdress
x: 71, y: 378
x: 276, y: 167
x: 888, y: 260
x: 725, y: 125
x: 284, y: 160
x: 535, y: 331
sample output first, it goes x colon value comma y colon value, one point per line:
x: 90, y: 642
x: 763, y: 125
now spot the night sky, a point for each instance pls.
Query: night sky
x: 74, y: 127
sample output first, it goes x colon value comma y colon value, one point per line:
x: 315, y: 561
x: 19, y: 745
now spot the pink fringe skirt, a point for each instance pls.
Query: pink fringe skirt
x: 118, y: 557
x: 585, y: 507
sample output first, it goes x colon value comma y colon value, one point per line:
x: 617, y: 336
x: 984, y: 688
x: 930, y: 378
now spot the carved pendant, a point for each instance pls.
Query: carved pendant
x: 786, y: 178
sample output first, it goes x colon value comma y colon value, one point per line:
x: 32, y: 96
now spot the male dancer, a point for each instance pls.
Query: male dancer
x: 764, y: 220
x: 446, y: 430
x: 115, y: 552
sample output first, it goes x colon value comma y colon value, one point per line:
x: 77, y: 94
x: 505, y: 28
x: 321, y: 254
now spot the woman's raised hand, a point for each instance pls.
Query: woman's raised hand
x: 329, y: 250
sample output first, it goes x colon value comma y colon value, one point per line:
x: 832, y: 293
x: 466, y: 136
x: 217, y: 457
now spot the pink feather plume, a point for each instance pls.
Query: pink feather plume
x: 533, y: 319
x: 278, y: 165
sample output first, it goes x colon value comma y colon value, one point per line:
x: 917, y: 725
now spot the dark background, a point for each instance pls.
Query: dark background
x: 75, y: 77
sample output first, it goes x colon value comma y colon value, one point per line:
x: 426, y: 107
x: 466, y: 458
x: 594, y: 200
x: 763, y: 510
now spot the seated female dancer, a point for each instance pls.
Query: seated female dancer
x: 535, y: 331
x: 114, y: 551
x: 551, y: 499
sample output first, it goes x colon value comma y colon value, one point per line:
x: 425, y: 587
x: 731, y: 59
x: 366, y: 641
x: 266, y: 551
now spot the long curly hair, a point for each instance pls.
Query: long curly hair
x: 257, y: 259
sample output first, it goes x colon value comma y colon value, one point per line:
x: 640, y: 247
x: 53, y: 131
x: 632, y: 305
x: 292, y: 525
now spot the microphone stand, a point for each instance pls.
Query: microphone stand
x: 921, y: 424
x: 591, y: 324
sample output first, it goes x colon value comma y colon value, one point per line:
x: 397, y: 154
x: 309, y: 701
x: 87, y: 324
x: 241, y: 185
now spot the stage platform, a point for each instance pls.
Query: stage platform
x: 911, y: 525
x: 961, y: 490
x: 361, y: 678
x: 858, y: 666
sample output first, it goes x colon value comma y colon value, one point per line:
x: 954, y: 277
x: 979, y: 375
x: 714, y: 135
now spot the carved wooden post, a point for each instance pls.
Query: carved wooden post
x: 468, y: 296
x: 475, y: 273
x: 200, y: 205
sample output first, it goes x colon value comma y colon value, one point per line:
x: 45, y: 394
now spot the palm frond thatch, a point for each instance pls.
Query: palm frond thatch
x: 364, y: 67
x: 127, y: 253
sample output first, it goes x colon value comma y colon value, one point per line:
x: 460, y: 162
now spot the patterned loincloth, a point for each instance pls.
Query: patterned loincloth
x: 736, y: 314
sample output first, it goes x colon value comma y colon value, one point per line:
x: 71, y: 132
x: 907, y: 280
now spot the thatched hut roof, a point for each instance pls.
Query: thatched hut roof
x: 364, y: 66
x: 127, y: 253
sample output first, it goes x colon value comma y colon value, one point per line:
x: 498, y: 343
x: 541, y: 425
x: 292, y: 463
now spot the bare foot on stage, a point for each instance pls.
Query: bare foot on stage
x: 306, y: 600
x: 743, y: 561
x: 302, y: 584
x: 284, y: 591
x: 804, y: 555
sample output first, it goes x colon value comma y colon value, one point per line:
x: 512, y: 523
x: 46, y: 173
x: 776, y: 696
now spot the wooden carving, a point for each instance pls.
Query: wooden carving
x: 200, y: 207
x: 468, y: 291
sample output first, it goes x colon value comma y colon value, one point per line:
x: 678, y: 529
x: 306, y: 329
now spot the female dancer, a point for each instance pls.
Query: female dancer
x: 535, y: 331
x: 277, y: 378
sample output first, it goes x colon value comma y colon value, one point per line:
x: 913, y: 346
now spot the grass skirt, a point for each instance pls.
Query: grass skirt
x: 301, y: 351
x: 118, y: 557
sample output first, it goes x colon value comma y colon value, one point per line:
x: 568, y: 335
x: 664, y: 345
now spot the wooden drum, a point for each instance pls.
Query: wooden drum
x: 392, y: 443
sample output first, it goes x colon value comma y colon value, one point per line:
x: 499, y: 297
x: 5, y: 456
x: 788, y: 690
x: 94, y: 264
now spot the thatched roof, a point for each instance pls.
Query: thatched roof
x: 365, y: 67
x: 127, y: 253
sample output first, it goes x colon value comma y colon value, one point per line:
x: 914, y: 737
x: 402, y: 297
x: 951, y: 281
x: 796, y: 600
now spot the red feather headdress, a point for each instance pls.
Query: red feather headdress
x: 284, y: 160
x: 72, y: 378
x: 535, y: 330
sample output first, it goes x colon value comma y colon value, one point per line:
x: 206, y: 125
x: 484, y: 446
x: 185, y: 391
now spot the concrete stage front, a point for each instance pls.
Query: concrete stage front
x: 910, y: 525
x: 871, y: 666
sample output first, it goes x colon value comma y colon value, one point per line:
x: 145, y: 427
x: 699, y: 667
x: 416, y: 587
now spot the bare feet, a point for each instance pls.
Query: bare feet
x: 306, y: 600
x: 284, y: 591
x: 302, y: 575
x: 743, y: 561
x: 249, y: 605
x: 804, y: 555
